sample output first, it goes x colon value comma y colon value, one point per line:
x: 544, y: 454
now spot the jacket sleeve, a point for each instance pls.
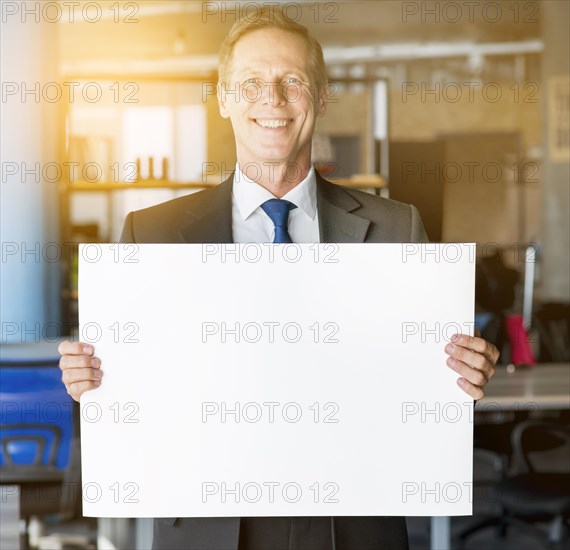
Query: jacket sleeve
x: 418, y: 233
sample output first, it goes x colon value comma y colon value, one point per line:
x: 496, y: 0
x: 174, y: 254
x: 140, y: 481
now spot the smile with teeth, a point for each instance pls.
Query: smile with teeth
x: 272, y: 123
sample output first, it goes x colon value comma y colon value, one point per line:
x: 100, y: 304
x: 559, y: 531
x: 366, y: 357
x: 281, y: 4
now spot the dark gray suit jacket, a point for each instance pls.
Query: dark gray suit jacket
x: 345, y: 216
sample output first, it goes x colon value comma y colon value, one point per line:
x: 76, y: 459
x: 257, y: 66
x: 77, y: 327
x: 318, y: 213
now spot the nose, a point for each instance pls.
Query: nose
x: 274, y: 94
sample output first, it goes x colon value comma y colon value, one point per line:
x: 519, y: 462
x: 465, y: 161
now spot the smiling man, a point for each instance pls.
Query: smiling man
x: 273, y: 86
x: 272, y: 90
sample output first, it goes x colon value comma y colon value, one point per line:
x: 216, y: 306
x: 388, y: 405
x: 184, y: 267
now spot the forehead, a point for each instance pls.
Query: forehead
x: 270, y: 50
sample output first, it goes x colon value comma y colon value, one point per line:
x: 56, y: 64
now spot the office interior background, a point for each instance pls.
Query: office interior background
x: 460, y: 108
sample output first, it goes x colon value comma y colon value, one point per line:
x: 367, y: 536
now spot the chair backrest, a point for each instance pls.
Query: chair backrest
x: 36, y: 420
x: 522, y: 449
x: 29, y: 444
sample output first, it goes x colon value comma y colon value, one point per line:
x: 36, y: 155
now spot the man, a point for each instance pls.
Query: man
x: 276, y: 196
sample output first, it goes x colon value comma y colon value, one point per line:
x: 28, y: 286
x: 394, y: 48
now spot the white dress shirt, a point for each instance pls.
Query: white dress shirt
x: 250, y: 224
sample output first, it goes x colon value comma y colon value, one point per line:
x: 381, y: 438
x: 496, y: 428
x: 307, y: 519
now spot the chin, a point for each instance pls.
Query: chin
x: 274, y: 155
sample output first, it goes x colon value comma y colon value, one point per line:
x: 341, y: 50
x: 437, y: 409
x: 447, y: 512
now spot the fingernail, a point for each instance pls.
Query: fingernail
x: 95, y: 362
x: 88, y: 350
x: 461, y: 381
x: 450, y: 348
x: 97, y: 382
x: 450, y: 361
x: 98, y: 374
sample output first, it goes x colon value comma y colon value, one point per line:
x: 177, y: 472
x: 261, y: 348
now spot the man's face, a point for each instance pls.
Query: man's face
x: 272, y: 101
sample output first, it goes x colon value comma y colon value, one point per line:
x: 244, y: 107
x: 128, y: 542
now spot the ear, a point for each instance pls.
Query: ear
x: 221, y: 100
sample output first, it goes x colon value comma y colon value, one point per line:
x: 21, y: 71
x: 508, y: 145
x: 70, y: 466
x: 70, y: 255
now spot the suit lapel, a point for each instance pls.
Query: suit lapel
x: 336, y: 223
x: 211, y: 217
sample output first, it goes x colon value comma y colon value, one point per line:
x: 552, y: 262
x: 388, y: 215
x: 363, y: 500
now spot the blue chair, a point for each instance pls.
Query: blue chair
x: 39, y: 436
x: 36, y: 420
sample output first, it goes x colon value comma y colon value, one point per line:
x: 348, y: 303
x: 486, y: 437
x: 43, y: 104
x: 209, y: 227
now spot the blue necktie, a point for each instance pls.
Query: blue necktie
x: 278, y: 211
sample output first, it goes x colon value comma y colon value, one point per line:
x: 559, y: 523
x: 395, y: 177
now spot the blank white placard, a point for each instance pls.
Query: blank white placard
x: 275, y: 380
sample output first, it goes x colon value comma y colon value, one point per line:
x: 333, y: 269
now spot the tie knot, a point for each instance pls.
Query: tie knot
x: 278, y: 211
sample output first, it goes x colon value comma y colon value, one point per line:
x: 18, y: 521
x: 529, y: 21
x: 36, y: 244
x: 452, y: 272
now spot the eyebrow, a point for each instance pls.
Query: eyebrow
x: 247, y: 70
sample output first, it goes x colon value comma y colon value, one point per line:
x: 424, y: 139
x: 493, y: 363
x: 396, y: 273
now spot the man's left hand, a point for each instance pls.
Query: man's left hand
x: 474, y: 359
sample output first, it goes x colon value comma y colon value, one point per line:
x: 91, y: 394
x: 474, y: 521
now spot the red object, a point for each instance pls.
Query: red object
x: 521, y: 352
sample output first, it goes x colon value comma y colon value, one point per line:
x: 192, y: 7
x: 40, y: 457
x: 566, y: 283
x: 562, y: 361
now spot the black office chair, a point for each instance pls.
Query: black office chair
x: 533, y: 495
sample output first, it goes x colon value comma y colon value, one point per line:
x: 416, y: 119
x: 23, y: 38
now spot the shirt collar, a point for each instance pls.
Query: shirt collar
x: 249, y: 195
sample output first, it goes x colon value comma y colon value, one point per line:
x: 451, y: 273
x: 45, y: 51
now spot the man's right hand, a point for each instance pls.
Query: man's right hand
x: 80, y: 369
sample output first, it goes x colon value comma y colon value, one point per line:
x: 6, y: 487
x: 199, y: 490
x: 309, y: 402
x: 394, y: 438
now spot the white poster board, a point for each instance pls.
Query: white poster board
x: 276, y: 380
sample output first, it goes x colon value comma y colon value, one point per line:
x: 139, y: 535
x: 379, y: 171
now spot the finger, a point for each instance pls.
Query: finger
x: 75, y: 348
x: 71, y: 376
x: 479, y: 345
x: 79, y: 362
x: 470, y: 389
x: 474, y: 376
x: 79, y: 388
x: 470, y: 342
x: 474, y: 359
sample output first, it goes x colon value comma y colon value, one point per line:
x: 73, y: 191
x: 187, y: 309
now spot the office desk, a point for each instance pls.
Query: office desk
x: 30, y: 354
x: 541, y: 387
x: 544, y: 386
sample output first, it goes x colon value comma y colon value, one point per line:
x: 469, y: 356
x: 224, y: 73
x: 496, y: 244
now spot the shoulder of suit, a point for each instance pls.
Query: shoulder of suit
x: 372, y: 201
x: 193, y: 202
